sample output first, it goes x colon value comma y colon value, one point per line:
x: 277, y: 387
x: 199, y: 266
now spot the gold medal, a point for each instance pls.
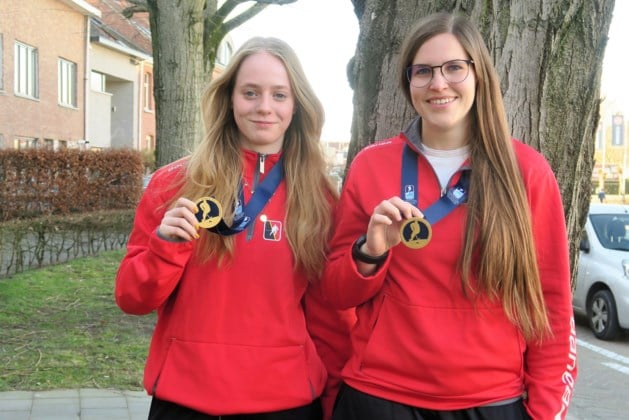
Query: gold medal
x: 209, y: 212
x: 416, y: 232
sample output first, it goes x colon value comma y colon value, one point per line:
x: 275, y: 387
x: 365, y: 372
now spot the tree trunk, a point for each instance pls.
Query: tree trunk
x: 549, y: 58
x: 179, y: 76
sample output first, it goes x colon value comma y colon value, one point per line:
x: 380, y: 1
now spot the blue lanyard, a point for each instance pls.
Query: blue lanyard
x: 454, y: 197
x: 262, y: 194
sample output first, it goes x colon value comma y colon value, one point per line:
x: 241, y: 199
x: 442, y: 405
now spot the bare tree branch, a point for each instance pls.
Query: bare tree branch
x: 278, y: 2
x: 139, y: 6
x: 215, y: 26
x: 244, y: 16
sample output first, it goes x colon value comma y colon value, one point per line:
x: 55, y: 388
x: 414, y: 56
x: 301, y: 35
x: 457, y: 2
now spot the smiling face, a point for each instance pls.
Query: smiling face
x: 444, y: 107
x: 263, y: 103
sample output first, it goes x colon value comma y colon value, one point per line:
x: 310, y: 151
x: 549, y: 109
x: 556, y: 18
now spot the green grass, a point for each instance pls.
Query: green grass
x: 60, y: 328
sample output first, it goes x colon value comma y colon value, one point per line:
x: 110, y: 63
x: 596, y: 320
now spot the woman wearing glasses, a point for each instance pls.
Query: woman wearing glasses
x: 450, y: 240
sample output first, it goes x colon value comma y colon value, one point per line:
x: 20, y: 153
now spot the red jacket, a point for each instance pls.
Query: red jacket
x: 251, y: 336
x: 418, y: 340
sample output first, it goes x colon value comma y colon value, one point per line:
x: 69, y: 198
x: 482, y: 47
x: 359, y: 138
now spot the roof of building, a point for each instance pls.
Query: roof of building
x: 82, y: 7
x: 134, y: 33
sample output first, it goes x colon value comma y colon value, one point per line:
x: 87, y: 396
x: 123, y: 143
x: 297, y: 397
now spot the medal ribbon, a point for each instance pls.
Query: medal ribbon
x: 454, y: 197
x: 262, y: 194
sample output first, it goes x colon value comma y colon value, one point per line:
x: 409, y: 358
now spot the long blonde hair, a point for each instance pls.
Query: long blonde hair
x: 215, y: 167
x: 499, y: 248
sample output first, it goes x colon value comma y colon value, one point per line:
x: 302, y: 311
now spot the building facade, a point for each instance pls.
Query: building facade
x: 611, y: 153
x: 78, y: 74
x: 43, y: 72
x: 121, y: 79
x: 86, y: 81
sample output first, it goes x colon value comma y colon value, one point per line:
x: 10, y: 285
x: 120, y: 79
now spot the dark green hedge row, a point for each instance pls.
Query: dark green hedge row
x: 27, y: 244
x: 38, y: 182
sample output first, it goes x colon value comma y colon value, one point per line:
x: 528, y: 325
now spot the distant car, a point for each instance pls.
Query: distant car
x: 602, y: 289
x: 145, y: 180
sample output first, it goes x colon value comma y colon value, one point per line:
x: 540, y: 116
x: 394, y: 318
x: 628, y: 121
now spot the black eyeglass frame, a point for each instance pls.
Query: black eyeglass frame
x: 409, y: 70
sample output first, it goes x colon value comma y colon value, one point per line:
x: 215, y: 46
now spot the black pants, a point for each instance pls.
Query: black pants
x: 352, y: 404
x: 165, y: 410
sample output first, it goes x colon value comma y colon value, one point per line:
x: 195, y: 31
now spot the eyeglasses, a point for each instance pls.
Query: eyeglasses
x: 454, y: 71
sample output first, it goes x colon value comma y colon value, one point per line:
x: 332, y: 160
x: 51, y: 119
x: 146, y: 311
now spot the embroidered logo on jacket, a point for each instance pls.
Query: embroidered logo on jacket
x: 272, y: 230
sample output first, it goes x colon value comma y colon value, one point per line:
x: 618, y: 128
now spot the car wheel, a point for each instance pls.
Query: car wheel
x: 602, y: 315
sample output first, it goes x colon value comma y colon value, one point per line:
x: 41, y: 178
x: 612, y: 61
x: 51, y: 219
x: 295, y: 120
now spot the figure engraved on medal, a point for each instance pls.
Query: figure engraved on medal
x: 210, y: 212
x: 416, y: 232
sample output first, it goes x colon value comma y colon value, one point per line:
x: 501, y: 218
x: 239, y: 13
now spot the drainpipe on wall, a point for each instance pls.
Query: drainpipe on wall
x: 86, y: 80
x: 140, y: 106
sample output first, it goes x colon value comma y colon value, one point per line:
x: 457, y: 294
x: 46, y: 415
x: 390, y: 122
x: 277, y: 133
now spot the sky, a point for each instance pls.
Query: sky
x: 615, y: 79
x: 323, y: 33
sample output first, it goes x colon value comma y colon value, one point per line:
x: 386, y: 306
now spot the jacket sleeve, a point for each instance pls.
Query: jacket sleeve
x: 551, y: 365
x: 152, y: 267
x: 342, y: 284
x: 329, y: 329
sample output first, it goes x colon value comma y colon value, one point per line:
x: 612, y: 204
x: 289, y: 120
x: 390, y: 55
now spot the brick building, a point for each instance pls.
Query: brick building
x: 43, y: 72
x: 78, y: 74
x: 611, y: 153
x: 84, y: 81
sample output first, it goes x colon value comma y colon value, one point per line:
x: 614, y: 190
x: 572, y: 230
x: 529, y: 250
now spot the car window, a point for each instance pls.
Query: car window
x: 612, y: 230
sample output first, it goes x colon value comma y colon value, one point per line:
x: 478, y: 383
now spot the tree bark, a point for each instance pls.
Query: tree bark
x: 549, y: 56
x: 179, y: 76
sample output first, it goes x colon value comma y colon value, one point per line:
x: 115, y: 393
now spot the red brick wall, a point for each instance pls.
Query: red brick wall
x: 55, y: 30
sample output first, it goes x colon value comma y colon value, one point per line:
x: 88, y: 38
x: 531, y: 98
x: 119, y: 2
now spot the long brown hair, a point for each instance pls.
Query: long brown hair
x: 499, y: 248
x: 215, y: 167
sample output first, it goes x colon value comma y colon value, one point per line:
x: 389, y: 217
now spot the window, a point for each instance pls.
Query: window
x: 1, y: 68
x: 224, y: 53
x: 618, y: 128
x: 25, y: 143
x: 67, y: 83
x: 26, y: 71
x: 148, y: 92
x: 49, y: 144
x: 97, y: 81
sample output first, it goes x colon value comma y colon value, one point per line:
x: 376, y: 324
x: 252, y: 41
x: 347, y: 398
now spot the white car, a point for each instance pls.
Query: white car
x: 602, y: 289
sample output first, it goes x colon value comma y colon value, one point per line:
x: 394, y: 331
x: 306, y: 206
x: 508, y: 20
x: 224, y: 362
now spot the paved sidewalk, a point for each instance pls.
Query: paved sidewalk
x: 74, y: 404
x: 89, y: 404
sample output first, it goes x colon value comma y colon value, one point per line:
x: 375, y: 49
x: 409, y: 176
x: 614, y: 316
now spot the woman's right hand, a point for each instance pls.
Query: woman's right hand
x: 383, y: 232
x: 179, y: 223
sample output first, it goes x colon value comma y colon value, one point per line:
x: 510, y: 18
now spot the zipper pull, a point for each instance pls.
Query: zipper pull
x: 261, y: 165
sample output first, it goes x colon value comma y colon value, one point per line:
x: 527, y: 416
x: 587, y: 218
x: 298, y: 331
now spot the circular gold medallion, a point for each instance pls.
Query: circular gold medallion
x: 209, y: 212
x: 416, y: 232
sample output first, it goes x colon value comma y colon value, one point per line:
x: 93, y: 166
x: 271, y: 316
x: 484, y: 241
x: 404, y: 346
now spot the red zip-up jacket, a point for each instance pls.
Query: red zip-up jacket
x: 250, y: 336
x: 418, y: 340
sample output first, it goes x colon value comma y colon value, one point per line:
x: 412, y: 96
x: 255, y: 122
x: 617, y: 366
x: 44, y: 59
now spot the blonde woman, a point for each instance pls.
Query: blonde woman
x: 242, y: 330
x: 450, y: 240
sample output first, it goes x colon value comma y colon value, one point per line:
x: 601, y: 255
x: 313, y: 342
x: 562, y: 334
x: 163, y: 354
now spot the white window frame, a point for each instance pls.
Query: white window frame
x: 224, y: 53
x: 67, y: 83
x: 98, y: 82
x: 148, y: 91
x: 1, y: 64
x: 21, y: 143
x: 26, y: 70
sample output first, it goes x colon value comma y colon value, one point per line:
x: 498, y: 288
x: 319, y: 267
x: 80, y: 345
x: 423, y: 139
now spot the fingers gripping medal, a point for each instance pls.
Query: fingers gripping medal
x: 416, y: 232
x: 209, y: 213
